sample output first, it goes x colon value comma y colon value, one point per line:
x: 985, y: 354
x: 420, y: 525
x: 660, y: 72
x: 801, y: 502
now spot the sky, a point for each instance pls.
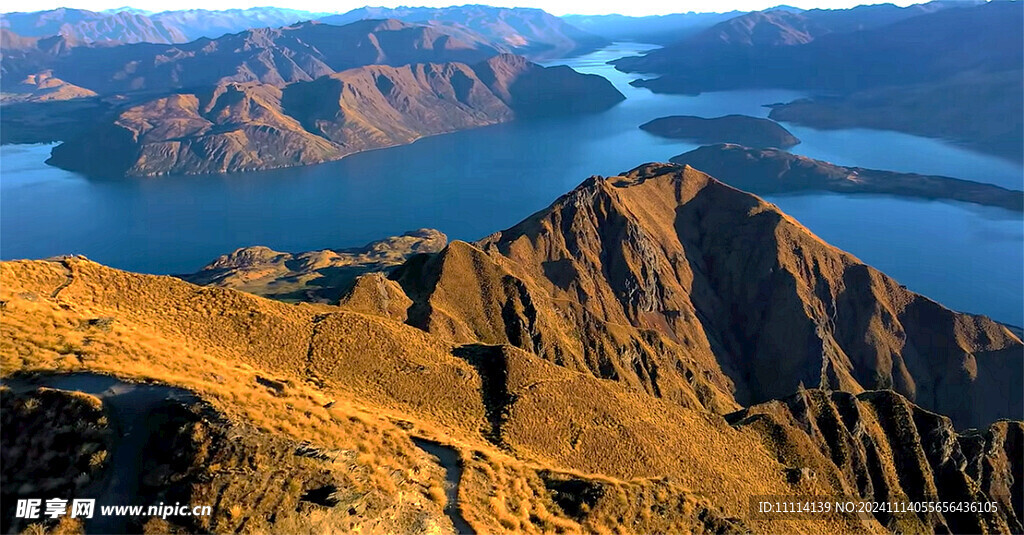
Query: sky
x: 557, y: 7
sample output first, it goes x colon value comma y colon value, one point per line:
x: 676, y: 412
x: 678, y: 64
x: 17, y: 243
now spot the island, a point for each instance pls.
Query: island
x: 740, y: 129
x: 765, y: 171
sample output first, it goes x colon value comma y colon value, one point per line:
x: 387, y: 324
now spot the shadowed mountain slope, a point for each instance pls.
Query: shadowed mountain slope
x: 250, y: 126
x: 757, y: 300
x: 775, y: 38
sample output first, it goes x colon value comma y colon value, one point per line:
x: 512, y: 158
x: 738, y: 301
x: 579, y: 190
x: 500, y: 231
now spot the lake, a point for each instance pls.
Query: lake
x: 471, y: 183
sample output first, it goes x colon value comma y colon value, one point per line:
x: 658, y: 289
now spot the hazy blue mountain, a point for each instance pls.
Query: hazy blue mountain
x: 954, y: 73
x: 778, y: 26
x: 531, y: 32
x: 196, y: 23
x: 275, y: 56
x: 91, y: 27
x: 657, y: 29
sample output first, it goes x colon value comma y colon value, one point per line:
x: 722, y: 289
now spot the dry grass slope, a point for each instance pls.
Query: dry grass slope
x: 347, y: 381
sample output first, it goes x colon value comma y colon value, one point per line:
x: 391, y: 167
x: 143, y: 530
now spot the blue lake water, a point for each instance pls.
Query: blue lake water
x: 475, y: 182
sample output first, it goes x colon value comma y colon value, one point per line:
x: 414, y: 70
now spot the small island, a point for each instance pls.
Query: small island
x: 739, y: 129
x: 765, y: 171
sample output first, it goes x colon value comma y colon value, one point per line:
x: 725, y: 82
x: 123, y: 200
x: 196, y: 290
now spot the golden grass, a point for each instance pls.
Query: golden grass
x: 348, y: 381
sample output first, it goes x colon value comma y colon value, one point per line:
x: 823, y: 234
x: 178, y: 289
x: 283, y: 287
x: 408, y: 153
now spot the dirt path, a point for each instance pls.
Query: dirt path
x: 449, y: 460
x: 128, y: 406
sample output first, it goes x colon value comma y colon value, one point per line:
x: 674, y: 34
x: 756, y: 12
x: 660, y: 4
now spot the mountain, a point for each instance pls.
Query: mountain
x: 767, y: 171
x: 91, y: 27
x: 676, y: 287
x: 739, y: 129
x: 953, y: 74
x: 656, y: 29
x: 640, y: 279
x: 761, y: 29
x: 270, y: 56
x: 198, y: 23
x: 253, y: 126
x: 526, y: 31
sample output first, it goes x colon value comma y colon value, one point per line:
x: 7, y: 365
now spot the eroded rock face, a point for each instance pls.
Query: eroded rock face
x: 879, y: 447
x: 252, y: 126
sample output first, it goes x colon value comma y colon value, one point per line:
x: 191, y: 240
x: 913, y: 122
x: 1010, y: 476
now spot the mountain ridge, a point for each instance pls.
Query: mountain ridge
x: 256, y: 126
x: 530, y: 32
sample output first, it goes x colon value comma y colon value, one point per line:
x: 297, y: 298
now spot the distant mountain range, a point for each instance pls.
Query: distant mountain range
x: 252, y: 126
x: 527, y: 31
x: 276, y: 56
x: 127, y: 25
x: 198, y: 23
x: 656, y: 29
x: 300, y: 94
x: 82, y: 26
x: 947, y: 70
x: 531, y: 32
